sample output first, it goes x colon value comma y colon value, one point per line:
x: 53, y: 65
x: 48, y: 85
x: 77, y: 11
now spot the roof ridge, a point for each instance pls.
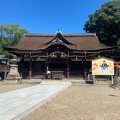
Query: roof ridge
x: 38, y: 34
x: 68, y: 34
x: 78, y: 34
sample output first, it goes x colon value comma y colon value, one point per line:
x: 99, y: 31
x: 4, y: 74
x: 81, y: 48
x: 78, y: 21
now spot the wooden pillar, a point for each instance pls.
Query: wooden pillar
x: 68, y: 69
x: 30, y: 68
x: 85, y: 74
x: 47, y: 67
x: 5, y: 70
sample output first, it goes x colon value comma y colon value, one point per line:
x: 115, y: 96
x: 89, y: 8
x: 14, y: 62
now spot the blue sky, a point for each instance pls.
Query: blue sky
x: 47, y: 16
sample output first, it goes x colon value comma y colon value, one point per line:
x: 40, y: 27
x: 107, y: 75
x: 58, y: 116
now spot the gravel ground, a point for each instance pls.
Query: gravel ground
x: 9, y: 86
x: 81, y: 102
x: 78, y: 102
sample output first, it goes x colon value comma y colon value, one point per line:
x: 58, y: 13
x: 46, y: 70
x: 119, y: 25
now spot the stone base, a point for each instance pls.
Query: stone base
x: 13, y: 74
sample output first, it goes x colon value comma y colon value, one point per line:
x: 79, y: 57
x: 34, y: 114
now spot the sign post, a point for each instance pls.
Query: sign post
x: 112, y: 79
x: 102, y: 66
x: 94, y: 79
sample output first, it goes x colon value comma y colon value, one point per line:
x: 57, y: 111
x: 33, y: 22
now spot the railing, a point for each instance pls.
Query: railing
x: 57, y: 74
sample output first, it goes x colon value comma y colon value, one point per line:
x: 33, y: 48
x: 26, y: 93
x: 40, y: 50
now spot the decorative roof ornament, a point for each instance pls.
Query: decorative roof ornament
x: 58, y: 31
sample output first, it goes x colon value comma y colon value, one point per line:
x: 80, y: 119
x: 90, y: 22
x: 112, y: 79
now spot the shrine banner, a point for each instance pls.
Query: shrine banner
x: 102, y: 66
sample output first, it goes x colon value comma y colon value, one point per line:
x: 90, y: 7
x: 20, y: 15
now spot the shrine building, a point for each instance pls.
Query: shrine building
x: 70, y: 53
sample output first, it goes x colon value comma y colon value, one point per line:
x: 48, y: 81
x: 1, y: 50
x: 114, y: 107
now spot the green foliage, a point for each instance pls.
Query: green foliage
x: 105, y: 22
x: 4, y: 52
x: 10, y: 35
x: 118, y: 47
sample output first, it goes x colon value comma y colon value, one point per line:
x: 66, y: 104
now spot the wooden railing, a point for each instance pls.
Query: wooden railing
x: 57, y: 74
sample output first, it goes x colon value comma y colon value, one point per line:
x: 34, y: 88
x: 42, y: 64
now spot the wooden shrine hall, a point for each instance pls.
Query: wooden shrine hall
x: 69, y: 53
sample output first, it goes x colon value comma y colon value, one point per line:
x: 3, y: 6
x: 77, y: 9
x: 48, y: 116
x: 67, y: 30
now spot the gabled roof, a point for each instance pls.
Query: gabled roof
x: 59, y: 38
x: 86, y: 42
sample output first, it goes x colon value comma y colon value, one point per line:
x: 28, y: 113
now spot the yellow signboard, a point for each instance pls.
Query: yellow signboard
x: 102, y: 66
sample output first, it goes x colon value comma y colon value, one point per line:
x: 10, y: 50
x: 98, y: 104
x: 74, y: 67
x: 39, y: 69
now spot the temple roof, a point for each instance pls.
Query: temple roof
x: 77, y: 42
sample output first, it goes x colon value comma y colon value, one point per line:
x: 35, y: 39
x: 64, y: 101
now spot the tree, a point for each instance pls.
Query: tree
x: 118, y: 48
x: 105, y: 22
x: 10, y: 34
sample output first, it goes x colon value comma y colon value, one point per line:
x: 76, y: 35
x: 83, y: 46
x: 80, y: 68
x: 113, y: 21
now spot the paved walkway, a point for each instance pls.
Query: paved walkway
x: 17, y: 103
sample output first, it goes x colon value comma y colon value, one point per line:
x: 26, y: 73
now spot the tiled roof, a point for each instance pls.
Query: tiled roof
x: 75, y: 42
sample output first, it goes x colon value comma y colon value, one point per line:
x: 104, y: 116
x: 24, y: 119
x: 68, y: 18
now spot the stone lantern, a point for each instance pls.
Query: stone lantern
x: 13, y: 74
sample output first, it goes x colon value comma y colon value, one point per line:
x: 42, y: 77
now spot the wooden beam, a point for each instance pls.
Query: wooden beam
x: 68, y: 69
x: 85, y: 74
x: 47, y: 66
x: 30, y: 68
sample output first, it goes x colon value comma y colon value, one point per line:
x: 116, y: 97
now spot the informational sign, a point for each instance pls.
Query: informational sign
x: 102, y: 66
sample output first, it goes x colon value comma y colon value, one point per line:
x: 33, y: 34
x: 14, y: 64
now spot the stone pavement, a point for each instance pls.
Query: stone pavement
x: 15, y: 104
